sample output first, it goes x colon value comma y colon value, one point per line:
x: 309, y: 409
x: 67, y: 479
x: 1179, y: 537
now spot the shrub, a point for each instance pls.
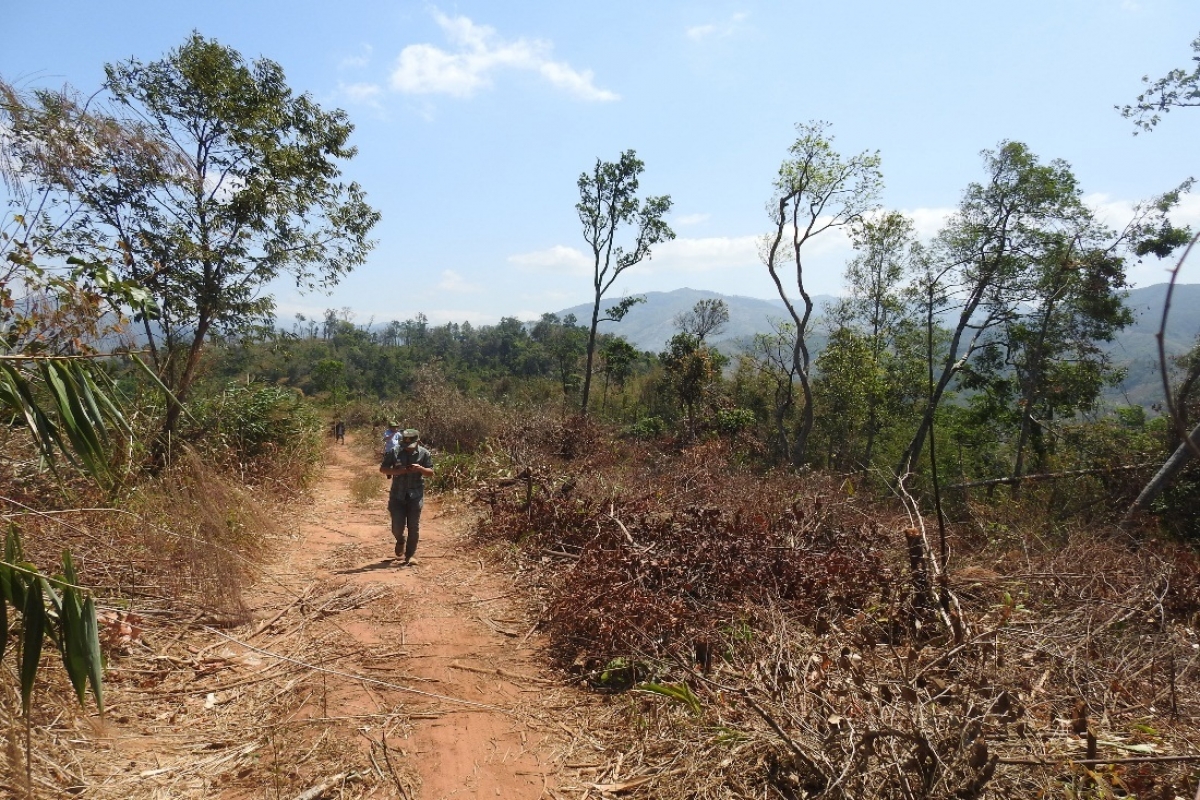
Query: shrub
x: 260, y: 433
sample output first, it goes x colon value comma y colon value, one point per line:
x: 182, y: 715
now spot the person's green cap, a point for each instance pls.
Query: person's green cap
x: 410, y: 433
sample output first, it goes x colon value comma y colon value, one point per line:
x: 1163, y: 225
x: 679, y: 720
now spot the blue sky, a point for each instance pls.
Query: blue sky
x: 474, y: 119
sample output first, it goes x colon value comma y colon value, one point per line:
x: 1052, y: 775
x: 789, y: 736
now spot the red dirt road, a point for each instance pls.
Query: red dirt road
x: 457, y: 642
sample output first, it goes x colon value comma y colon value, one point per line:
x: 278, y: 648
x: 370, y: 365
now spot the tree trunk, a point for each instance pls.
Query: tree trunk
x: 591, y: 352
x: 1166, y: 473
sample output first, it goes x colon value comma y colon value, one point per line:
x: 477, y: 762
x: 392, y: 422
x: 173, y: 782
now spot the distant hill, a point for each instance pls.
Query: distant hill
x: 1136, y: 347
x: 649, y: 326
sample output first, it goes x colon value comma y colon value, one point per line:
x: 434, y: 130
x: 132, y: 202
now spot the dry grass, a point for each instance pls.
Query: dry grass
x: 367, y: 488
x: 192, y: 715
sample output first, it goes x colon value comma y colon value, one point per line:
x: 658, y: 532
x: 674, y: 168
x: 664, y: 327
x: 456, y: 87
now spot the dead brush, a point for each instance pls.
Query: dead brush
x: 448, y: 418
x: 1048, y: 704
x: 198, y: 537
x: 665, y: 561
x: 770, y: 626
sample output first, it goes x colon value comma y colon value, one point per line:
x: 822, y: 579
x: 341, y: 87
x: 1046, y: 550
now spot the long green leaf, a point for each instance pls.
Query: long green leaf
x: 3, y: 614
x: 34, y: 614
x: 80, y: 431
x: 74, y: 642
x: 679, y: 692
x: 17, y: 395
x: 95, y: 658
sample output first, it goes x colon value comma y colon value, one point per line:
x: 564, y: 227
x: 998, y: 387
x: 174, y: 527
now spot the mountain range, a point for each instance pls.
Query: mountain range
x: 649, y: 325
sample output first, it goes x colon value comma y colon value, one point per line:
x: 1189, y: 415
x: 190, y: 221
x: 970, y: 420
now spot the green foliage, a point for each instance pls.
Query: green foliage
x: 732, y: 421
x: 219, y: 181
x: 648, y: 428
x: 816, y: 190
x: 66, y: 408
x: 1025, y: 271
x: 677, y: 692
x: 258, y: 430
x: 53, y: 609
x: 1179, y: 88
x: 692, y: 372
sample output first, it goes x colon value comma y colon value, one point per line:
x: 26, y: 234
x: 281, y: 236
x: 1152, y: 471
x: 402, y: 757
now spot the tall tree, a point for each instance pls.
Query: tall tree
x: 1033, y: 284
x: 563, y: 342
x: 243, y: 187
x: 877, y: 310
x: 608, y: 202
x: 988, y: 257
x: 817, y: 190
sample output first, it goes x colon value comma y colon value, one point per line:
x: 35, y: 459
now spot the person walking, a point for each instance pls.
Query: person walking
x: 389, y: 438
x: 339, y: 432
x: 408, y: 465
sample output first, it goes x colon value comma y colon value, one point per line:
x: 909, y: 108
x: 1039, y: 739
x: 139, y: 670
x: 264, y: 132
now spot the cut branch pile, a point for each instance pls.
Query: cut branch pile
x: 780, y: 644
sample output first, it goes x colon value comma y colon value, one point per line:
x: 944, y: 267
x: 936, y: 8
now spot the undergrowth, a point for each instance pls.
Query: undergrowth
x: 789, y: 638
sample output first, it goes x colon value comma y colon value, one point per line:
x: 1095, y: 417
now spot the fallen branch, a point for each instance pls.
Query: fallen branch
x: 320, y: 789
x: 279, y: 614
x: 1049, y: 476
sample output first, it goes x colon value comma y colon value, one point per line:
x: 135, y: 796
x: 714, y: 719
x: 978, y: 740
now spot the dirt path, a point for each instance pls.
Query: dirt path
x: 453, y: 636
x: 344, y: 675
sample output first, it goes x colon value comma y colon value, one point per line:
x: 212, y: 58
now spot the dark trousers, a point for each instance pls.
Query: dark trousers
x: 406, y: 511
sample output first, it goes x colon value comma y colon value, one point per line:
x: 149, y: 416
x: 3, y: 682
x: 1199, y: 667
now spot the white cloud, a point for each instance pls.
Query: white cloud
x: 928, y: 221
x: 560, y: 258
x: 478, y: 52
x: 699, y: 33
x: 453, y: 282
x: 366, y: 94
x: 359, y: 61
x: 690, y: 219
x: 703, y: 255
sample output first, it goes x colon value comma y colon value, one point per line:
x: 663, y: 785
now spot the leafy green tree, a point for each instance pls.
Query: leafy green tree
x: 989, y: 261
x: 565, y: 343
x: 848, y: 384
x: 608, y: 202
x: 1179, y: 88
x: 1048, y: 362
x: 692, y: 371
x: 709, y: 316
x: 817, y: 190
x: 329, y: 375
x: 876, y: 308
x: 618, y: 357
x: 237, y: 185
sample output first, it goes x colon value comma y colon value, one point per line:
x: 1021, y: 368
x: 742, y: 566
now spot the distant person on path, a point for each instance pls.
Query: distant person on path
x: 339, y: 432
x: 408, y: 464
x: 389, y: 437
